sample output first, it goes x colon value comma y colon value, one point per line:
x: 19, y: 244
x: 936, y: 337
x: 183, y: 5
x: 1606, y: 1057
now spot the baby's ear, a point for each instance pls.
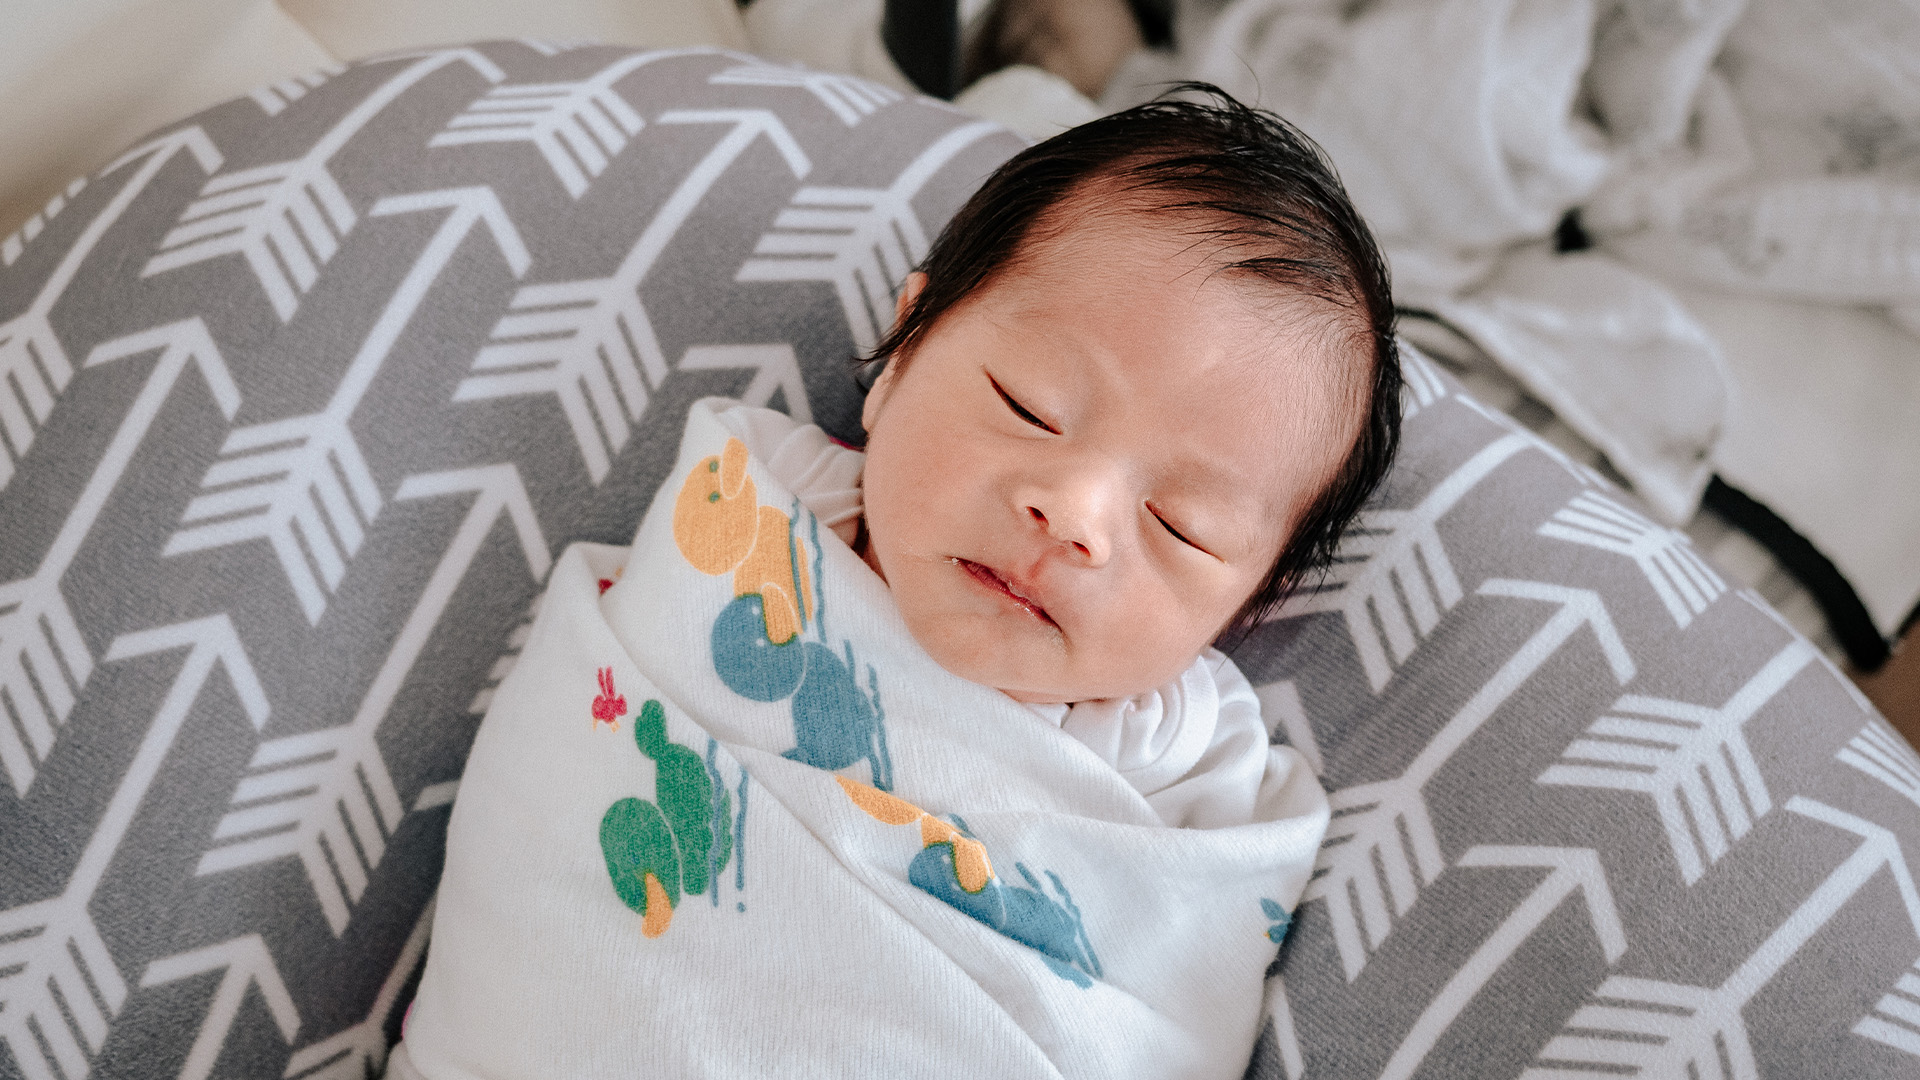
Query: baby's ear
x: 877, y: 396
x: 882, y: 386
x: 909, y: 292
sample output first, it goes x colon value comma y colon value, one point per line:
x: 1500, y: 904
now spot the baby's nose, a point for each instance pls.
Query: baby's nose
x: 1078, y: 531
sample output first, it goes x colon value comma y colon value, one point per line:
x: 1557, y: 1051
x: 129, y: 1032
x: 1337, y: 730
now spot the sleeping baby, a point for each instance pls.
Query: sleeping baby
x: 919, y: 760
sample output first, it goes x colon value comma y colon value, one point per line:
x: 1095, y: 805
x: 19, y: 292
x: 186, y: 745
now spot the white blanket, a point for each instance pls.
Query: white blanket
x: 724, y: 817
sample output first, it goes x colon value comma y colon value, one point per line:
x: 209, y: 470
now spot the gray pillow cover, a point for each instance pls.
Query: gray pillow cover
x: 302, y: 397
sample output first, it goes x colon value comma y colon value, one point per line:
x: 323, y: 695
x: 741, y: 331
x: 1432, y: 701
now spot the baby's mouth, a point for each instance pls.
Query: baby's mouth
x: 991, y: 578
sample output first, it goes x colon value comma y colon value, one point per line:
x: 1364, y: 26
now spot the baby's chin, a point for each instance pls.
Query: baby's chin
x: 1027, y: 681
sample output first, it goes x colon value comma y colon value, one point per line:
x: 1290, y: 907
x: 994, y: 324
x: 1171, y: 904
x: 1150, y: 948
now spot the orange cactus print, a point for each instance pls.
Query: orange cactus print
x: 720, y: 526
x: 659, y: 909
x: 970, y: 863
x: 953, y: 868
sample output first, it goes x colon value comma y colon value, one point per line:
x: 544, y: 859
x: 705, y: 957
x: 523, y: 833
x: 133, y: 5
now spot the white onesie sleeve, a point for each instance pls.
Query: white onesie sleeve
x: 1198, y: 749
x: 1195, y: 747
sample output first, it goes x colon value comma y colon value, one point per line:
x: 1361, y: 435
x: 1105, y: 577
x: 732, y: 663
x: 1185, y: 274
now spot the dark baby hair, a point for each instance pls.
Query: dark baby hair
x: 1264, y: 195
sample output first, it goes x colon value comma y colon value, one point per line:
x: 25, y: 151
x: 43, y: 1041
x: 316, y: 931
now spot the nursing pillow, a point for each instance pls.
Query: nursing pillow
x: 301, y: 397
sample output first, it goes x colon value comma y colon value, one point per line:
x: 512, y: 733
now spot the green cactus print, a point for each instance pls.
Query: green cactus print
x: 657, y: 853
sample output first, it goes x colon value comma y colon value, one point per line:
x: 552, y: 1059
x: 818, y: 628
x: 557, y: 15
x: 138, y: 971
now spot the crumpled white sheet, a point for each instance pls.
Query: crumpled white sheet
x: 1804, y: 179
x: 1769, y: 146
x: 1615, y: 355
x: 828, y: 35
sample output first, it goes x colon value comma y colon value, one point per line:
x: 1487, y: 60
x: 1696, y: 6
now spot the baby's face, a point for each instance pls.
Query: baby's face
x: 1085, y: 469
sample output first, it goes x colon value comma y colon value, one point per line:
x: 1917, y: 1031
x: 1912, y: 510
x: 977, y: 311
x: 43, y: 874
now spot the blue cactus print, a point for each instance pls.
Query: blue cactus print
x: 1027, y: 915
x: 1282, y: 920
x: 952, y: 866
x: 835, y: 722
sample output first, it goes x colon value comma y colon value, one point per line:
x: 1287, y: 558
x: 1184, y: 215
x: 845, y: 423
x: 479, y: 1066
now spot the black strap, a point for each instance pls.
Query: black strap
x: 923, y: 37
x: 1846, y: 616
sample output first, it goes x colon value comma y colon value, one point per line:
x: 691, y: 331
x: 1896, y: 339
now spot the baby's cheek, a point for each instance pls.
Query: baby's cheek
x: 1179, y: 615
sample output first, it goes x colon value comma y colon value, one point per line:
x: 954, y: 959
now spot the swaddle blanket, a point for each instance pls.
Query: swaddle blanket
x: 726, y: 817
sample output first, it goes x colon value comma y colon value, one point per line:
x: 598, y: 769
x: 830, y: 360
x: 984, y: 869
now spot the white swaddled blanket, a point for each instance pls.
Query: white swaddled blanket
x: 726, y: 817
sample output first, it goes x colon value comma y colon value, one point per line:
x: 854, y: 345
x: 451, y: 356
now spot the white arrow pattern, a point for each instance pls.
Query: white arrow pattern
x: 849, y: 98
x: 1392, y: 567
x: 15, y: 245
x: 1691, y: 760
x: 548, y: 47
x: 516, y: 641
x: 301, y: 483
x: 287, y: 219
x: 1573, y: 870
x: 587, y: 342
x: 44, y: 660
x: 274, y: 98
x: 1682, y: 580
x: 1381, y: 845
x: 243, y: 962
x: 1895, y: 1019
x: 434, y: 796
x: 775, y: 370
x: 53, y: 962
x: 34, y: 368
x: 361, y: 1050
x: 1664, y: 1029
x: 325, y: 797
x: 1379, y: 837
x: 863, y: 241
x: 1421, y: 386
x: 1881, y: 753
x: 1286, y: 1038
x: 1287, y: 721
x: 1758, y: 603
x: 578, y: 127
x: 1582, y: 473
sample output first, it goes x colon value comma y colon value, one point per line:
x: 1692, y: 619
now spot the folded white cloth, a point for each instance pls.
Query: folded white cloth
x: 1615, y: 355
x: 725, y: 817
x: 1801, y: 176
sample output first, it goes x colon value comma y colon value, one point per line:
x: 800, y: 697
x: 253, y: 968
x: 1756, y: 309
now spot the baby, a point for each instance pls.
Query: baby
x: 1143, y: 380
x: 1140, y: 384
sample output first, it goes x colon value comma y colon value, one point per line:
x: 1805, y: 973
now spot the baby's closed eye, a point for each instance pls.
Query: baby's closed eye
x: 1175, y: 530
x: 1020, y: 410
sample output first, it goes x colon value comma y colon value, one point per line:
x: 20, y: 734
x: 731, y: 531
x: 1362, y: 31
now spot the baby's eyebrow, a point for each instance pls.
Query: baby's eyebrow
x: 1199, y: 475
x: 1218, y: 502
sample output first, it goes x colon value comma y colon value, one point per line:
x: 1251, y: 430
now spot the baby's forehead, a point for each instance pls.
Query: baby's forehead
x: 1086, y: 234
x: 1270, y: 320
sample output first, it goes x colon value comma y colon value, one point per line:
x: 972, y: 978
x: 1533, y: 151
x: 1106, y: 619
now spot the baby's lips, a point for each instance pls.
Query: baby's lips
x: 1024, y: 590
